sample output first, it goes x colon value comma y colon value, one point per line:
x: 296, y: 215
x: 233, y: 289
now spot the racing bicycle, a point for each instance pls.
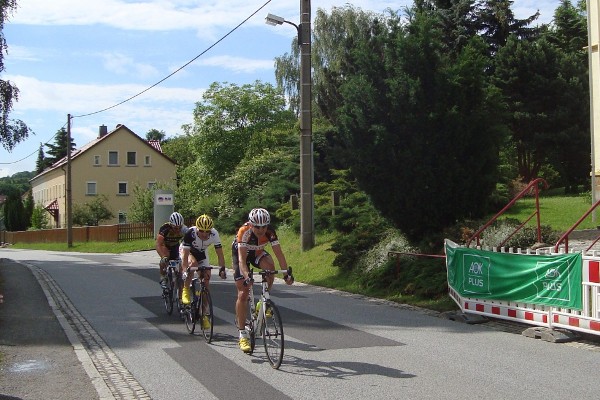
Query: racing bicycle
x: 263, y: 319
x: 171, y: 291
x: 200, y: 310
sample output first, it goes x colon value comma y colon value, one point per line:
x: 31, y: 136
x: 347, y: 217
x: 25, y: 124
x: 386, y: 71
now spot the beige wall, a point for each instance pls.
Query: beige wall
x: 50, y: 187
x: 92, y: 166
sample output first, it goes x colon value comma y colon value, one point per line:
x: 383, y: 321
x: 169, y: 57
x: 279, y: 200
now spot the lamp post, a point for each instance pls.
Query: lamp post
x: 307, y: 235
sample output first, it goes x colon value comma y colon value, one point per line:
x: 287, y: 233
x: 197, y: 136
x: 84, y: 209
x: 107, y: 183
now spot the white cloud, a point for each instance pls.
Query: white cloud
x: 22, y: 53
x: 87, y: 98
x: 124, y: 65
x: 137, y: 15
x: 90, y: 105
x: 169, y: 15
x: 237, y: 64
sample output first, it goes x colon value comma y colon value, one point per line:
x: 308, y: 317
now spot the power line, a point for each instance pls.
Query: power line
x: 26, y: 157
x: 154, y: 85
x: 178, y: 69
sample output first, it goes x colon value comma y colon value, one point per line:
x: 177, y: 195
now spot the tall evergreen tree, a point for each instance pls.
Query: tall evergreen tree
x: 543, y: 97
x: 42, y: 162
x: 14, y: 212
x: 458, y: 20
x: 416, y: 120
x: 569, y: 28
x: 498, y: 22
x: 570, y: 156
x: 28, y: 206
x: 58, y: 150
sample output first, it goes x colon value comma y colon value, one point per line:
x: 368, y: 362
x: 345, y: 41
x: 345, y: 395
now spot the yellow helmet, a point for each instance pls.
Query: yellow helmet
x: 204, y: 223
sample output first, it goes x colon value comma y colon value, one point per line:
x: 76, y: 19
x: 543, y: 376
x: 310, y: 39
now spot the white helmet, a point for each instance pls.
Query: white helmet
x: 259, y: 217
x: 176, y: 219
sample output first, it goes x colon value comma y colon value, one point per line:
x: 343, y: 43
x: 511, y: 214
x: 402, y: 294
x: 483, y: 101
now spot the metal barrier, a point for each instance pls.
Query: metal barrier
x: 585, y: 320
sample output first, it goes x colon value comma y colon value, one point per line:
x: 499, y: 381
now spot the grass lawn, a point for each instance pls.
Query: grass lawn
x: 558, y: 212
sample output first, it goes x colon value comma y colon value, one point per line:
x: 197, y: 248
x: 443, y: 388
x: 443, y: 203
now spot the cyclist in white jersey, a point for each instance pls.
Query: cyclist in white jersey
x: 193, y: 251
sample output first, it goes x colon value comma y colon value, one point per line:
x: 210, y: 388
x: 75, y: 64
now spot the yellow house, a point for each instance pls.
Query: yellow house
x: 111, y: 165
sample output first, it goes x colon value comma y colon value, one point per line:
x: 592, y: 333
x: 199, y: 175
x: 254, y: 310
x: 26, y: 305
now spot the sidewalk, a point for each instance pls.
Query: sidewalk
x: 37, y: 360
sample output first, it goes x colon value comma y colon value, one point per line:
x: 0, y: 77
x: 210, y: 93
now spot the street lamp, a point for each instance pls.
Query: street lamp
x: 307, y: 235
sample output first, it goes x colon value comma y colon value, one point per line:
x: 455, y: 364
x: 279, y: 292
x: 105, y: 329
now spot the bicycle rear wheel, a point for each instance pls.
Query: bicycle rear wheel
x: 272, y: 334
x: 168, y: 295
x: 192, y: 312
x: 206, y: 311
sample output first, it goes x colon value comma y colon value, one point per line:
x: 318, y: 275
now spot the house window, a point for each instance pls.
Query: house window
x: 96, y: 160
x: 147, y: 160
x: 151, y: 185
x: 131, y: 158
x: 122, y: 217
x: 122, y: 188
x: 113, y: 158
x: 91, y: 189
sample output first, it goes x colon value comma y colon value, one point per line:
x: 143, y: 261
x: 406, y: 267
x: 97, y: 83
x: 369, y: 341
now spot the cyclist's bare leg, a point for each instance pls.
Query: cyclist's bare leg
x: 190, y: 275
x: 241, y: 303
x: 162, y: 265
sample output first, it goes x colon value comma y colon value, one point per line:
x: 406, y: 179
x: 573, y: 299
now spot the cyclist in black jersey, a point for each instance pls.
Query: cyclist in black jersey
x: 167, y: 243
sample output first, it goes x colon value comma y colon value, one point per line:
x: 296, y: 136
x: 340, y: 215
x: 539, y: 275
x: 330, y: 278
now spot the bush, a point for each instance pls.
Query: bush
x: 526, y: 237
x: 39, y: 218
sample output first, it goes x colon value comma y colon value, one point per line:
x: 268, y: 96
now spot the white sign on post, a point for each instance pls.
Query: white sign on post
x: 164, y: 205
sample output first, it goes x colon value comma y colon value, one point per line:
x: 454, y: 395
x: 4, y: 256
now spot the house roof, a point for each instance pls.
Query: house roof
x: 153, y: 144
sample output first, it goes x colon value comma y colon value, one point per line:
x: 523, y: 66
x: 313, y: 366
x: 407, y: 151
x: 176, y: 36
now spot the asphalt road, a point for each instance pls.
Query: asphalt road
x: 106, y: 335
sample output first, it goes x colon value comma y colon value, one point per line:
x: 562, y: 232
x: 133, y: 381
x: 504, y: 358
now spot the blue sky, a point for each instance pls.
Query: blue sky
x: 80, y: 57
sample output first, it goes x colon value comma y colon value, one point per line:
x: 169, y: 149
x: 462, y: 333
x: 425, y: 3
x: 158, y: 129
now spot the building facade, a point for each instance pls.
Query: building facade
x: 111, y: 165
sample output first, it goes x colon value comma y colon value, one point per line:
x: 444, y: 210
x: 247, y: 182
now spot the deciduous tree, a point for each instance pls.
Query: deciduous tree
x: 12, y: 131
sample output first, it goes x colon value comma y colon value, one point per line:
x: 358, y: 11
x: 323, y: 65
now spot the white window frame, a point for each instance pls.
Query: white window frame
x: 151, y: 185
x: 87, y: 188
x: 97, y: 160
x: 122, y: 217
x: 119, y: 193
x: 147, y: 161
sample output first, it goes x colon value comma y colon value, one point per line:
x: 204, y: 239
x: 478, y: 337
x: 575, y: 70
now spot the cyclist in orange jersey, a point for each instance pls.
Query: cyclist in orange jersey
x: 249, y: 248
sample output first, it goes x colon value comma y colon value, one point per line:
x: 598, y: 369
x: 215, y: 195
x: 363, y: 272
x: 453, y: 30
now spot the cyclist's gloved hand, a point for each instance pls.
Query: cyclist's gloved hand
x: 164, y: 260
x: 248, y: 281
x: 222, y: 273
x: 289, y: 278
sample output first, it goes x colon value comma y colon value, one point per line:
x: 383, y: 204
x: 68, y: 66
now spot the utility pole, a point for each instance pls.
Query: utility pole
x: 593, y: 28
x: 306, y: 144
x: 69, y: 200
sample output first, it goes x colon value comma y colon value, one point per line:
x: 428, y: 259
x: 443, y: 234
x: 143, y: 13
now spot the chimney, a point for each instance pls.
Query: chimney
x: 102, y: 131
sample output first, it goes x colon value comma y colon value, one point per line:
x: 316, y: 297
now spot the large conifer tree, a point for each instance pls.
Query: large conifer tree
x: 58, y: 150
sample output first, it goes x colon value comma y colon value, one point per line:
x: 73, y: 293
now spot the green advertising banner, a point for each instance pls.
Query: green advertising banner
x: 553, y: 280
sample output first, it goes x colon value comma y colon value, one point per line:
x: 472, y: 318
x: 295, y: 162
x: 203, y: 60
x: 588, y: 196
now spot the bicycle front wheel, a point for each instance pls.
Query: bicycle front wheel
x: 190, y: 315
x: 206, y: 315
x: 272, y: 334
